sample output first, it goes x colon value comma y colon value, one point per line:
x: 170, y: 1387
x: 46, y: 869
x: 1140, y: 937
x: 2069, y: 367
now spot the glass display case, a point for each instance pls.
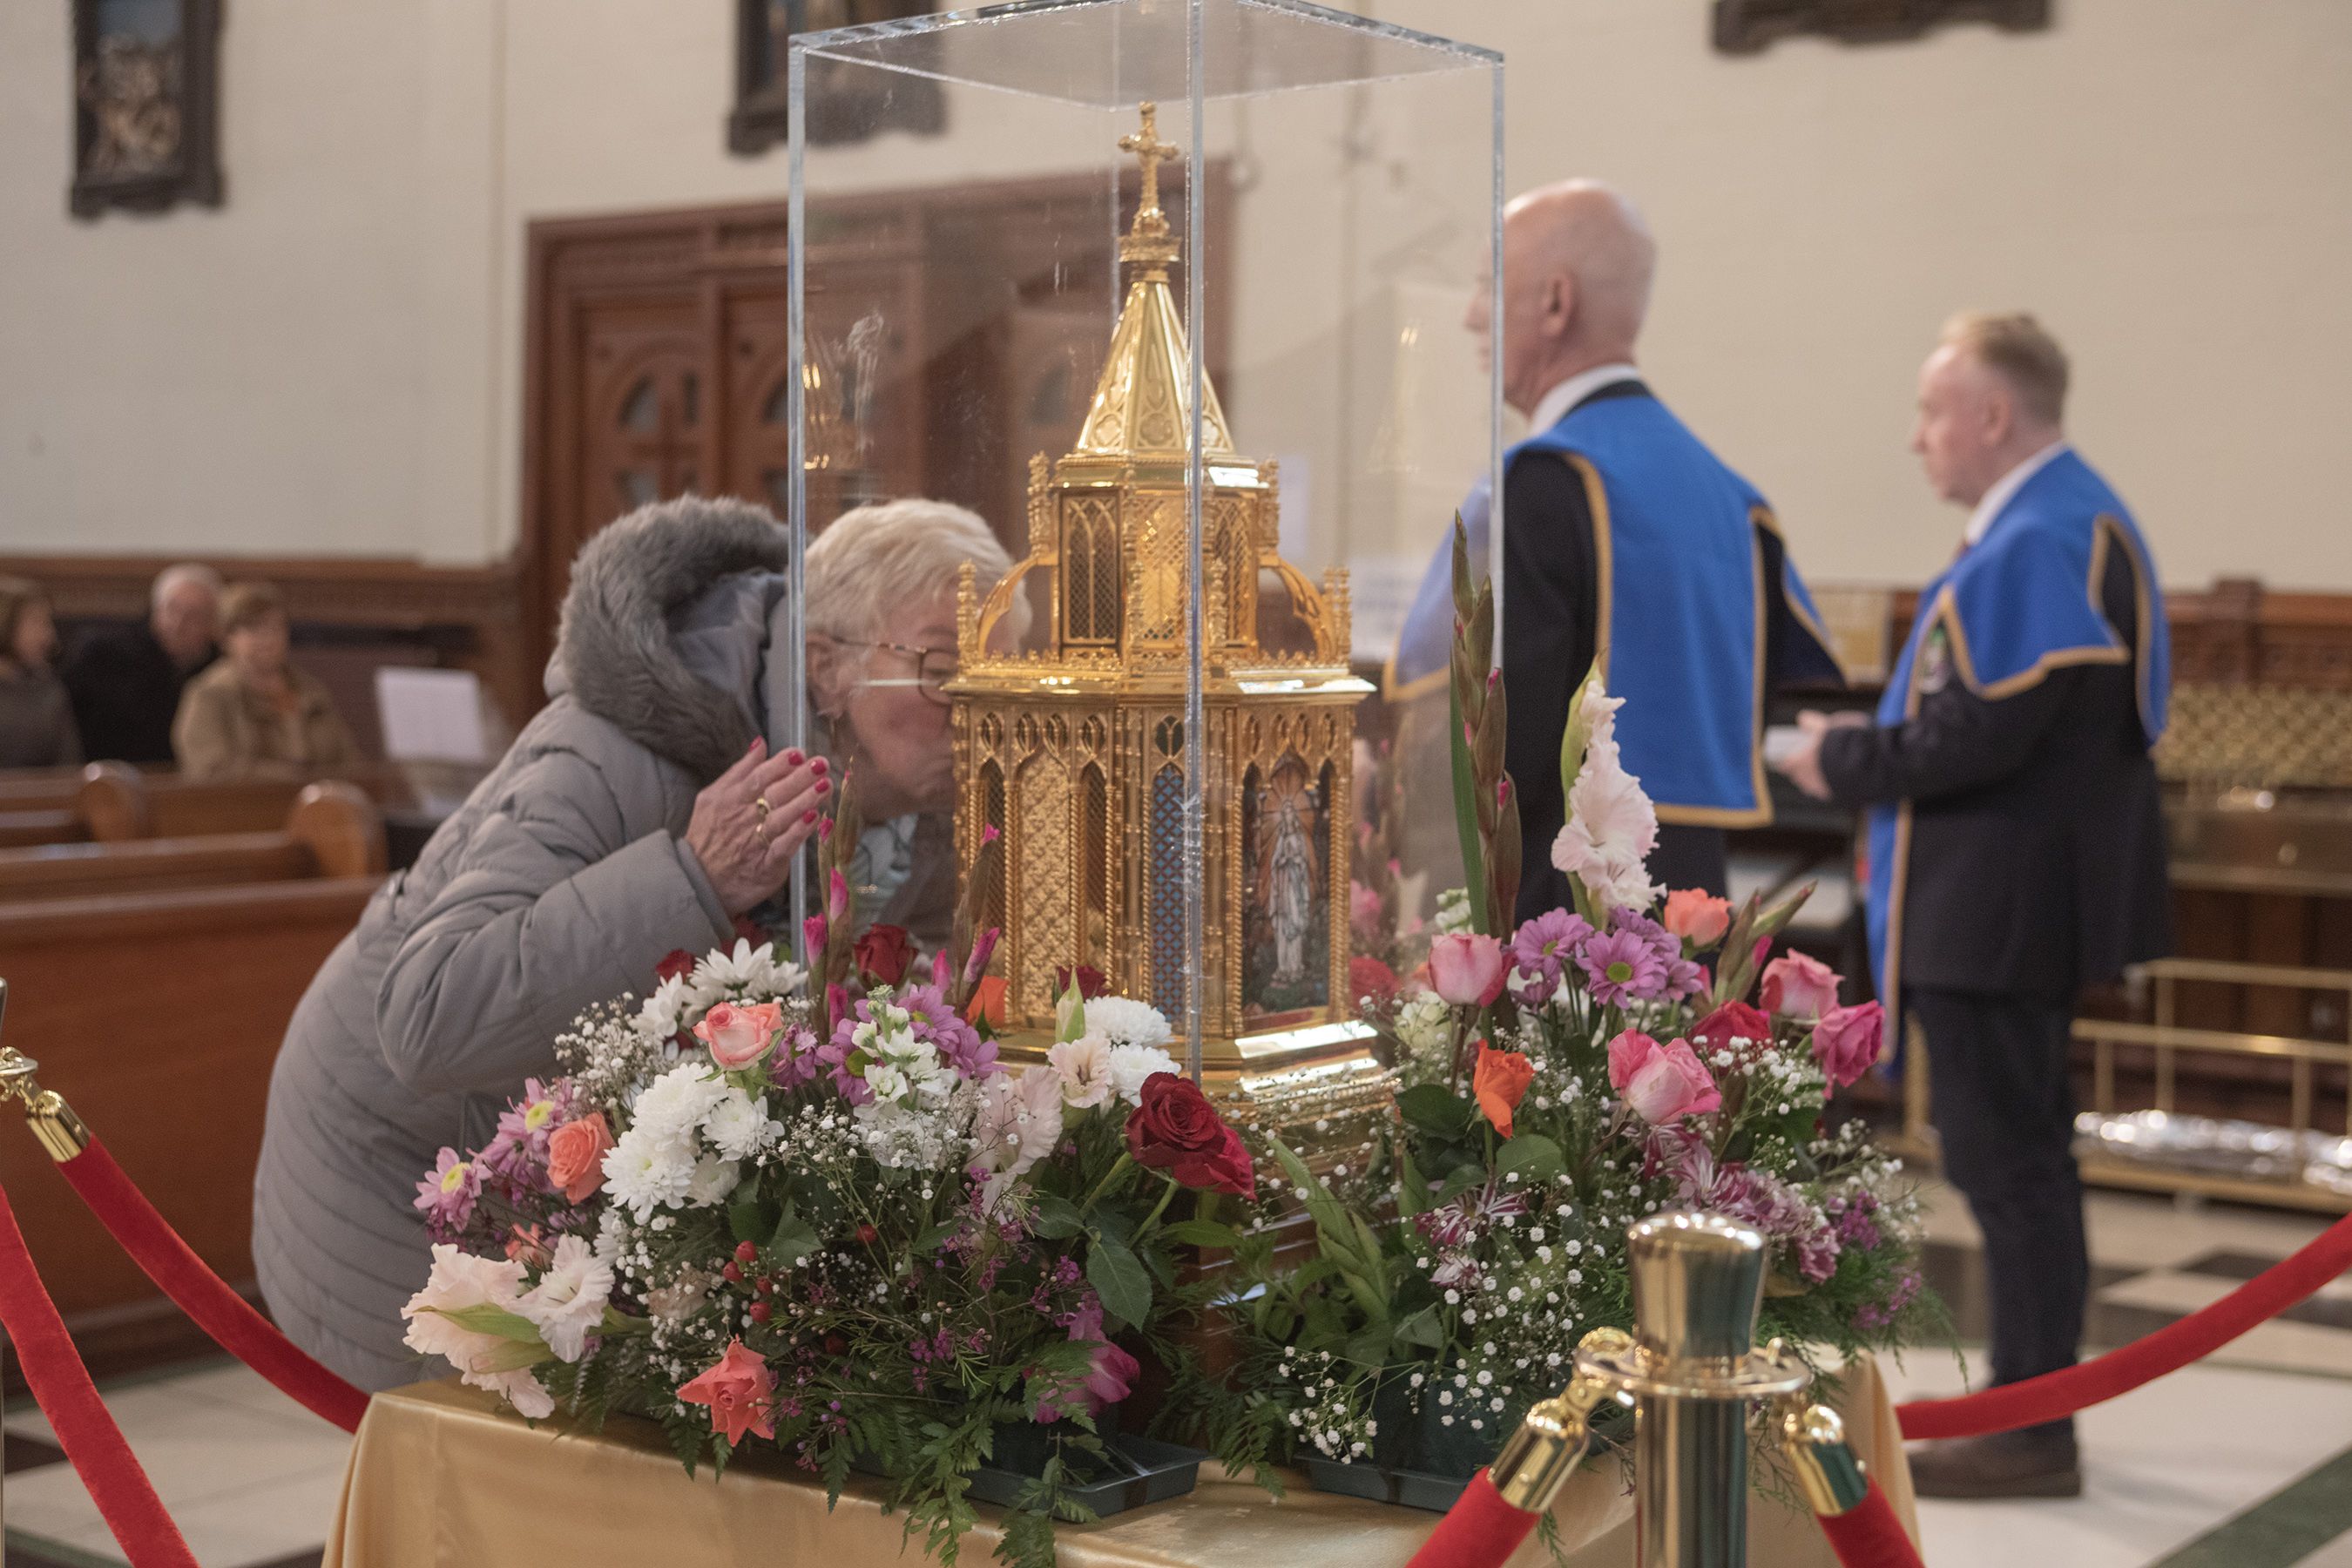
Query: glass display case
x: 1178, y: 296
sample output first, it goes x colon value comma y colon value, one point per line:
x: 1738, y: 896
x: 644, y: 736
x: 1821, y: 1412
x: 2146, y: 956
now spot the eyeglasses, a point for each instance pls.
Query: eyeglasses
x: 934, y: 667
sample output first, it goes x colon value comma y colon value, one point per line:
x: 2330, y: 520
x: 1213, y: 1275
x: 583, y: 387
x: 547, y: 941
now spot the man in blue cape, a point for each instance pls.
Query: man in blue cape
x: 2016, y: 845
x: 1625, y: 542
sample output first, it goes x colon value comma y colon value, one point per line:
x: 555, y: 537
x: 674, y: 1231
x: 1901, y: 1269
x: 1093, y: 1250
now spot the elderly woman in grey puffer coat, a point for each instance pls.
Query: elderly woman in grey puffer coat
x: 639, y: 812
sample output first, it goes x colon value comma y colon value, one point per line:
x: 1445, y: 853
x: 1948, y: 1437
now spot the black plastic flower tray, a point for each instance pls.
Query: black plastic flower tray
x: 1141, y: 1470
x: 1406, y: 1489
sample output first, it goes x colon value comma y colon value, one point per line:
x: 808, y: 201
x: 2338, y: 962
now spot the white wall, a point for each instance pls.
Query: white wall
x: 332, y: 361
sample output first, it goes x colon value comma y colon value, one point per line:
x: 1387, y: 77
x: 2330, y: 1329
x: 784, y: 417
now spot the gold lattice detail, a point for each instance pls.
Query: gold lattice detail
x: 2261, y: 737
x: 1045, y: 906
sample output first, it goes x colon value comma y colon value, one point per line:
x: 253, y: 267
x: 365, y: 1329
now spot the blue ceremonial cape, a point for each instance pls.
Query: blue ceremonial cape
x: 1682, y: 607
x: 2020, y: 601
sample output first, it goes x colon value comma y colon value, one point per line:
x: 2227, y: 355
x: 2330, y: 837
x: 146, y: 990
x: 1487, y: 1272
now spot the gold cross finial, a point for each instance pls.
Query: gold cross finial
x: 1150, y: 151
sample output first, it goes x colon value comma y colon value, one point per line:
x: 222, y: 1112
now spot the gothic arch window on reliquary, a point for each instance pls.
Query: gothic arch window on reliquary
x: 1092, y: 587
x: 1166, y: 917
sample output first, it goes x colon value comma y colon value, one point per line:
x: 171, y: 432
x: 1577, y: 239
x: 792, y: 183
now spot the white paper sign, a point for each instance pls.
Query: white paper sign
x: 431, y: 715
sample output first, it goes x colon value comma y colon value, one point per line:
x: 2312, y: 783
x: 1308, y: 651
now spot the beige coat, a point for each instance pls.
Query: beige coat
x: 225, y: 730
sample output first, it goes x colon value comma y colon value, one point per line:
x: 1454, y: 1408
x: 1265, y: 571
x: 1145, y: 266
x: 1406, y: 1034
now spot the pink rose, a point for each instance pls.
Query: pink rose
x: 1467, y: 968
x: 1660, y: 1083
x: 575, y: 1156
x: 738, y: 1390
x: 1364, y: 912
x: 1847, y: 1040
x: 1696, y: 916
x: 738, y: 1035
x: 1108, y: 1379
x: 1797, y: 987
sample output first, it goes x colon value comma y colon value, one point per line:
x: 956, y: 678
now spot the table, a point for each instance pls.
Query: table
x: 442, y: 1477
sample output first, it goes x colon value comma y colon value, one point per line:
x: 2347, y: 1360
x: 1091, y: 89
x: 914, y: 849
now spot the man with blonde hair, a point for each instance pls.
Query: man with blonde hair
x: 1627, y: 544
x: 2016, y: 836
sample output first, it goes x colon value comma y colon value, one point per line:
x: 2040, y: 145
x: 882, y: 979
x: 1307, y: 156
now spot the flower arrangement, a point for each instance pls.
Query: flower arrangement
x: 825, y: 1218
x: 1556, y: 1082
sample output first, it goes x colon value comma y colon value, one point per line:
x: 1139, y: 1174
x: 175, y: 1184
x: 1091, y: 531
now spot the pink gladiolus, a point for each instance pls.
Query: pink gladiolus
x: 1847, y: 1041
x: 1797, y: 985
x: 975, y: 964
x: 1661, y: 1083
x: 1468, y: 968
x: 836, y: 898
x: 739, y: 1390
x: 813, y: 931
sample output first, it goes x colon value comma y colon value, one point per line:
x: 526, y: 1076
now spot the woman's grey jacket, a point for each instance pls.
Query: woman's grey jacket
x: 563, y: 881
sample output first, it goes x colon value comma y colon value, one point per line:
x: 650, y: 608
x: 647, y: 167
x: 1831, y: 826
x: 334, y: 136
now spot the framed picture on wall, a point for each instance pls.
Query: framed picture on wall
x: 894, y: 103
x: 145, y: 86
x: 1745, y: 26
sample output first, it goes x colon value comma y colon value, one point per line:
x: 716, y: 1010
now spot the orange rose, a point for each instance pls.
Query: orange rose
x: 986, y: 1002
x: 1500, y: 1082
x: 575, y: 1156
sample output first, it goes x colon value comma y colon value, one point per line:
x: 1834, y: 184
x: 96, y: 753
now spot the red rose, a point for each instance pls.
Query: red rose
x: 1178, y: 1131
x: 1732, y: 1021
x: 1092, y: 982
x: 883, y: 954
x: 1370, y: 977
x: 752, y: 930
x: 678, y: 963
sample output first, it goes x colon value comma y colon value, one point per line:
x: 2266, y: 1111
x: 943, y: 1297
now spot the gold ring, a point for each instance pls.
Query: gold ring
x: 759, y: 804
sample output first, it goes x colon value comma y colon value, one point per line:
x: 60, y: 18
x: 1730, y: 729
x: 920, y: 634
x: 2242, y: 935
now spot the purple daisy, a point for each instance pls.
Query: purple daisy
x: 1623, y: 966
x: 1542, y: 947
x: 446, y: 1194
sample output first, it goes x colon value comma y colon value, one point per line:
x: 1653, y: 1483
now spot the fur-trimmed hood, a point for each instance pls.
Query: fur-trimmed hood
x: 620, y: 652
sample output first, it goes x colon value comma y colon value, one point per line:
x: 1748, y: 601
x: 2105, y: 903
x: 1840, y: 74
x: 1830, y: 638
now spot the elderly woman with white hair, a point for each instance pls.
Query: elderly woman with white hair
x: 881, y: 593
x: 643, y: 810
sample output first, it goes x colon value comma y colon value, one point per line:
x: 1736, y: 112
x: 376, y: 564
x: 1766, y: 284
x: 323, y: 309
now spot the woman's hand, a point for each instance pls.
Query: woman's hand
x: 751, y: 819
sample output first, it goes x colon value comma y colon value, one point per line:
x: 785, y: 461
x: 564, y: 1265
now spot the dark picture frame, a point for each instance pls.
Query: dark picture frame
x: 760, y: 119
x: 146, y: 92
x: 1749, y: 26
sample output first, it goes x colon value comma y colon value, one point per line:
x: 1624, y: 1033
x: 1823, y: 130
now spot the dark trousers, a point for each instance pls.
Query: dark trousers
x: 2004, y: 1111
x: 1689, y: 855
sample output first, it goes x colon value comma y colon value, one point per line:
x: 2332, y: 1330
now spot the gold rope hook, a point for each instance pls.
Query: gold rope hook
x: 54, y: 1122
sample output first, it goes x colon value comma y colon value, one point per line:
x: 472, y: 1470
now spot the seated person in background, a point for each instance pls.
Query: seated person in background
x: 253, y: 715
x: 881, y: 593
x: 37, y: 723
x: 126, y: 683
x: 641, y: 812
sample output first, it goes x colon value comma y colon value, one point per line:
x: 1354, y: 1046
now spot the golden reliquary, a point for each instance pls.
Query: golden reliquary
x: 1073, y: 748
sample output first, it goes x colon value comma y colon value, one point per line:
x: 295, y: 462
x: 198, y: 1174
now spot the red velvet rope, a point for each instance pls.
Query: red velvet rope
x: 85, y: 1428
x: 220, y: 1312
x: 2059, y: 1393
x: 1870, y: 1536
x: 1479, y: 1531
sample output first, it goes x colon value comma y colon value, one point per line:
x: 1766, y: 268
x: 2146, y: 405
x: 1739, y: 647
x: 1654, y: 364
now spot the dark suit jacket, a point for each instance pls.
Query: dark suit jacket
x: 1551, y: 618
x: 2037, y: 861
x: 126, y: 691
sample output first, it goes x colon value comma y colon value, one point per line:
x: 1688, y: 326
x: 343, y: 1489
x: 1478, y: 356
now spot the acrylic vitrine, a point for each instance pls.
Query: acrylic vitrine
x: 1177, y: 296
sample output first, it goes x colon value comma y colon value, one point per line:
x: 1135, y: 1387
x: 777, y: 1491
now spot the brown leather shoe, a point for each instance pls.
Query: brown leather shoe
x: 2001, y: 1465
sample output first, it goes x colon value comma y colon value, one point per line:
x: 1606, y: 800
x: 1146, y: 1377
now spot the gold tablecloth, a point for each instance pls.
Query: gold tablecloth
x: 442, y: 1477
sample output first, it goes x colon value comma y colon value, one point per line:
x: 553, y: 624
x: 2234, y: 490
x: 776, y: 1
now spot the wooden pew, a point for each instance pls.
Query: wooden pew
x: 158, y: 1016
x: 331, y: 830
x: 116, y: 802
x: 38, y: 806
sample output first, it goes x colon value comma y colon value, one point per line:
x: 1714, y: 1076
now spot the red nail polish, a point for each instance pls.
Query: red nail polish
x: 794, y: 756
x: 809, y: 815
x: 819, y: 764
x: 822, y: 787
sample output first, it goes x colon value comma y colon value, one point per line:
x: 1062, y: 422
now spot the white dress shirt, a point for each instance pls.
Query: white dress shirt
x: 2004, y: 490
x: 1553, y: 407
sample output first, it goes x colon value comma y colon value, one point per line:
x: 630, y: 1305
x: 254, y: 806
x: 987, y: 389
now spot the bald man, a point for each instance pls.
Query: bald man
x: 1627, y: 541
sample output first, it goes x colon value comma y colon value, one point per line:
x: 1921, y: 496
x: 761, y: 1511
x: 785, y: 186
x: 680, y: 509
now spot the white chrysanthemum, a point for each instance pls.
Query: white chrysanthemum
x: 642, y: 1171
x: 673, y: 1106
x: 1124, y: 1021
x: 713, y: 1179
x: 740, y: 1126
x: 568, y: 1302
x: 663, y: 1014
x: 612, y: 1235
x: 903, y: 1138
x: 1424, y: 1023
x: 748, y: 972
x: 1131, y: 1065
